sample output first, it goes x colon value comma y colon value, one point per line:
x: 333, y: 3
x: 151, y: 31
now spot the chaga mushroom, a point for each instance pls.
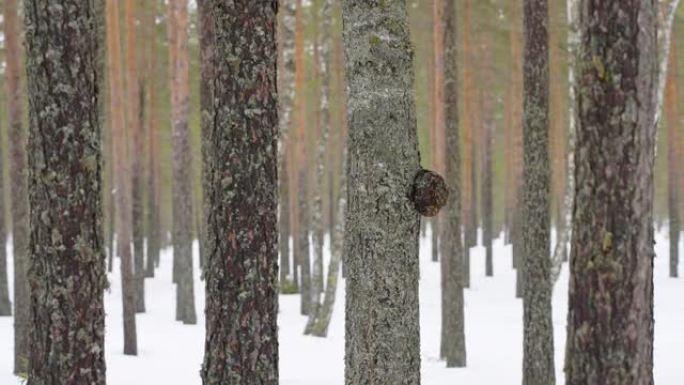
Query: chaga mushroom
x: 430, y: 193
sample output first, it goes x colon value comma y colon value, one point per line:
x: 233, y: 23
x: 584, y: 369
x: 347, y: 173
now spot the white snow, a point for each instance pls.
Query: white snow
x: 171, y: 353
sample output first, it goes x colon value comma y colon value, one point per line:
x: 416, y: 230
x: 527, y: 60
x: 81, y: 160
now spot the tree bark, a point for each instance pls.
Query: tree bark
x: 382, y: 226
x: 610, y: 318
x: 19, y: 189
x: 538, y: 353
x: 182, y: 170
x: 242, y: 256
x: 122, y: 177
x: 135, y: 129
x: 452, y: 247
x: 67, y: 263
x: 5, y: 302
x: 673, y: 167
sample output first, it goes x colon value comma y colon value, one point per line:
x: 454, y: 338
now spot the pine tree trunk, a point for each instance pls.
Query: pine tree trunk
x: 182, y: 170
x: 610, y: 319
x: 5, y: 302
x: 382, y: 327
x: 151, y: 123
x: 318, y: 226
x: 666, y: 13
x: 122, y: 177
x: 438, y: 157
x: 673, y: 167
x: 242, y: 256
x: 286, y: 95
x: 452, y: 247
x: 19, y: 206
x: 67, y: 262
x: 136, y: 146
x: 538, y: 353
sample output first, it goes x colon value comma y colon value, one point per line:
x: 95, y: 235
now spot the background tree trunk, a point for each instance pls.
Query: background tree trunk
x: 19, y: 188
x: 182, y: 170
x: 135, y: 129
x: 610, y: 319
x: 538, y: 353
x: 67, y: 261
x: 452, y: 248
x: 122, y: 176
x: 5, y: 302
x: 674, y: 165
x: 242, y: 264
x: 382, y: 332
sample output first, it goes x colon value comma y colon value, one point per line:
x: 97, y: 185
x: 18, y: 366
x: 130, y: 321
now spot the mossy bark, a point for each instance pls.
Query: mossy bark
x: 382, y: 225
x: 538, y: 353
x: 19, y: 206
x: 242, y: 257
x: 67, y: 262
x: 610, y: 318
x: 452, y: 246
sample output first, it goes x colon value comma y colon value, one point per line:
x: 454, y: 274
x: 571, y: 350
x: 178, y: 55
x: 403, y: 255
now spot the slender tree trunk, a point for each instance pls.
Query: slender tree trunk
x: 286, y: 95
x: 610, y: 318
x: 19, y: 188
x: 67, y: 261
x: 136, y: 146
x: 438, y: 111
x: 452, y: 247
x: 122, y: 177
x: 666, y: 11
x: 324, y: 18
x: 382, y: 325
x: 242, y: 264
x: 5, y: 302
x: 674, y: 167
x: 488, y: 128
x: 172, y: 35
x: 538, y: 359
x: 151, y: 123
x: 182, y: 170
x: 560, y: 251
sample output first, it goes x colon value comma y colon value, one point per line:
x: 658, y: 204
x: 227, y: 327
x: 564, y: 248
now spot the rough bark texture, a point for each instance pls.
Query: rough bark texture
x: 67, y: 262
x: 453, y: 319
x: 324, y: 20
x: 182, y: 170
x: 610, y: 319
x: 19, y: 187
x: 121, y: 172
x: 242, y: 256
x: 136, y: 145
x: 286, y: 94
x: 673, y: 167
x: 538, y: 364
x: 5, y: 302
x: 381, y: 240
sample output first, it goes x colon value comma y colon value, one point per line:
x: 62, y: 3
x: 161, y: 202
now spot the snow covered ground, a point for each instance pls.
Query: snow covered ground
x: 171, y: 353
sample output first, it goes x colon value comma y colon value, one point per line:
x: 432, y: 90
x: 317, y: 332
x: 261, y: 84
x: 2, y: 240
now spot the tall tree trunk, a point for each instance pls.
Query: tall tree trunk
x: 610, y: 318
x: 438, y: 111
x: 207, y: 36
x: 324, y: 19
x: 569, y: 194
x: 673, y: 167
x: 152, y: 127
x: 242, y: 264
x: 538, y: 359
x: 453, y: 317
x: 182, y: 170
x: 122, y: 176
x: 5, y: 302
x: 19, y: 206
x: 67, y: 261
x: 302, y: 164
x: 666, y: 12
x: 286, y: 95
x: 488, y: 128
x: 382, y: 332
x: 136, y: 146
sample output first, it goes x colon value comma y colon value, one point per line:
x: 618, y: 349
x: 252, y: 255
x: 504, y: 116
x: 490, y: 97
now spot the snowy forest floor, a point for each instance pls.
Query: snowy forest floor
x: 171, y: 353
